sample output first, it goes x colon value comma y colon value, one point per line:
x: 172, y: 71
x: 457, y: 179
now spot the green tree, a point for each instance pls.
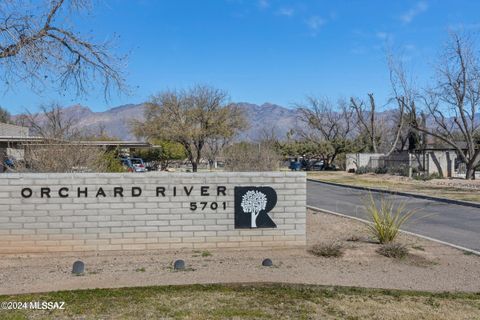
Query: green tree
x: 109, y: 162
x: 163, y: 154
x: 5, y: 116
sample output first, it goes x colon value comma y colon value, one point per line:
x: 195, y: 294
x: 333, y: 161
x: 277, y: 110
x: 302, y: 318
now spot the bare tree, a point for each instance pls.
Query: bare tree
x: 367, y: 120
x: 404, y: 97
x: 329, y: 128
x: 60, y: 149
x: 216, y: 144
x: 453, y: 104
x: 39, y: 45
x: 251, y: 156
x: 62, y: 157
x: 190, y: 117
x: 214, y: 147
x: 51, y: 123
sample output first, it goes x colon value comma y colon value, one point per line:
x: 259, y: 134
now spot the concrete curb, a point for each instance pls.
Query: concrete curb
x: 403, y: 231
x: 400, y: 193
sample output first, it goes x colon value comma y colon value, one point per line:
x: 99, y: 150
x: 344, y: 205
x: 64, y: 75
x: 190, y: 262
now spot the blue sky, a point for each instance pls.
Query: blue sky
x: 265, y: 50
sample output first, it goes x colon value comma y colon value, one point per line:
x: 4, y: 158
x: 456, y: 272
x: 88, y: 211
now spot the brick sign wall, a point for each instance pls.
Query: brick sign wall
x: 127, y: 211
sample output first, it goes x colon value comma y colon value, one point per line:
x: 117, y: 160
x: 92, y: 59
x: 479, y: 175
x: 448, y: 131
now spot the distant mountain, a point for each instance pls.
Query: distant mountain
x: 267, y: 119
x: 116, y: 121
x: 263, y: 119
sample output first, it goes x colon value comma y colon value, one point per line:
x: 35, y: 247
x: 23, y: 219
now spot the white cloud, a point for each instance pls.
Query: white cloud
x: 359, y: 50
x: 464, y: 27
x: 315, y: 23
x: 408, y: 16
x: 288, y: 12
x: 263, y: 4
x: 382, y: 35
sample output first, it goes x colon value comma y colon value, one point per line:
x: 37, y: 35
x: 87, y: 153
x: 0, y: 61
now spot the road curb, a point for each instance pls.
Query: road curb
x: 403, y: 231
x: 401, y: 193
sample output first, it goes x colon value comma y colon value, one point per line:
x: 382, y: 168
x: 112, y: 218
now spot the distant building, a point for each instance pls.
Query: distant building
x: 438, y: 159
x: 14, y: 139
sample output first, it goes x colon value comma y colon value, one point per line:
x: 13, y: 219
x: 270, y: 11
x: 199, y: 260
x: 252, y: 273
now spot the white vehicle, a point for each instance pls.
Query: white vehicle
x: 138, y: 165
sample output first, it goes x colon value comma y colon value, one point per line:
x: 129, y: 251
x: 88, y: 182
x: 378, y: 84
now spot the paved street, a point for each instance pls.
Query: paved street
x: 456, y: 224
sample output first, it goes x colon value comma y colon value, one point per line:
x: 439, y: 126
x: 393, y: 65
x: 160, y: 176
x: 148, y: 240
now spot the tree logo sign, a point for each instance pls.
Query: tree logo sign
x: 252, y: 205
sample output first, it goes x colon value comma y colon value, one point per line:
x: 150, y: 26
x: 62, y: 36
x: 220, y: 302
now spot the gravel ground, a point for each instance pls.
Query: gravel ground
x: 430, y: 266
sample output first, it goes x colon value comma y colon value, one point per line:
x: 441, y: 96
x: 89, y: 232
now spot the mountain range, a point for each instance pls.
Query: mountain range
x: 266, y: 119
x: 116, y: 121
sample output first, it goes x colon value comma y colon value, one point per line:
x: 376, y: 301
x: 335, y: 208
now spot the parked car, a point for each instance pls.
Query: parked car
x: 295, y: 166
x: 138, y: 164
x: 317, y: 166
x: 321, y: 166
x: 133, y: 164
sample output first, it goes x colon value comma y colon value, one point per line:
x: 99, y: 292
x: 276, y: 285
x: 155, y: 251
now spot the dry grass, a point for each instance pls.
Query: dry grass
x: 399, y: 184
x: 250, y: 302
x: 393, y: 250
x: 327, y: 250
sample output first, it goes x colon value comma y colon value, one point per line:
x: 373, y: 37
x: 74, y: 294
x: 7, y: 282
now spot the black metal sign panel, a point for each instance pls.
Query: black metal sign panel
x: 252, y: 205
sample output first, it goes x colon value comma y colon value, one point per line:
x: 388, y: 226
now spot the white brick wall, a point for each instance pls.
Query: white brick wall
x: 74, y: 223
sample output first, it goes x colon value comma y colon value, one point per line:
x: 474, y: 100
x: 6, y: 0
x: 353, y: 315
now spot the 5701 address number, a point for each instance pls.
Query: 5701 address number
x: 194, y: 206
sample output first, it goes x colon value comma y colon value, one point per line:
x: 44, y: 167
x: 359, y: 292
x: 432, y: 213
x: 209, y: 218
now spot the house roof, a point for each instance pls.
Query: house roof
x: 7, y: 129
x: 445, y: 146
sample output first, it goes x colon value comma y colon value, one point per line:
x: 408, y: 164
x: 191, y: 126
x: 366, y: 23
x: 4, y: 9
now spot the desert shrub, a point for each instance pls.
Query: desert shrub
x: 328, y: 250
x: 435, y: 175
x: 246, y: 156
x: 387, y: 218
x: 354, y: 238
x: 426, y: 177
x: 206, y: 254
x: 381, y: 170
x: 421, y: 177
x: 401, y: 170
x: 62, y: 157
x: 393, y: 250
x: 363, y: 170
x: 109, y: 162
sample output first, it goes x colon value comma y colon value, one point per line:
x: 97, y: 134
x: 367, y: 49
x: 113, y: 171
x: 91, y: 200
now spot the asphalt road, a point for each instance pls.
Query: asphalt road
x: 456, y: 224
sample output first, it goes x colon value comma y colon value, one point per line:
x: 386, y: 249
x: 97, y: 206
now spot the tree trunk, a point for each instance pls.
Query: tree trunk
x: 372, y: 123
x: 194, y: 166
x: 470, y: 175
x: 253, y: 219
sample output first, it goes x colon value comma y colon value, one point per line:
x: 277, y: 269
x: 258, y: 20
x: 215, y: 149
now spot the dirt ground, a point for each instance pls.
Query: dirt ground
x: 429, y: 267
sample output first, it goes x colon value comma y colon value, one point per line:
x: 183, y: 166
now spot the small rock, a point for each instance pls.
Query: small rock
x: 78, y: 267
x: 179, y: 265
x: 267, y: 263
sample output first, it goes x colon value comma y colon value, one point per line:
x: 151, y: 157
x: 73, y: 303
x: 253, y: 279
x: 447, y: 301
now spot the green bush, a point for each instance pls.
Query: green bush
x: 109, y: 162
x: 435, y: 175
x: 393, y: 250
x: 363, y: 170
x: 327, y: 250
x: 421, y: 177
x: 425, y: 177
x: 401, y: 170
x: 387, y: 218
x: 381, y: 170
